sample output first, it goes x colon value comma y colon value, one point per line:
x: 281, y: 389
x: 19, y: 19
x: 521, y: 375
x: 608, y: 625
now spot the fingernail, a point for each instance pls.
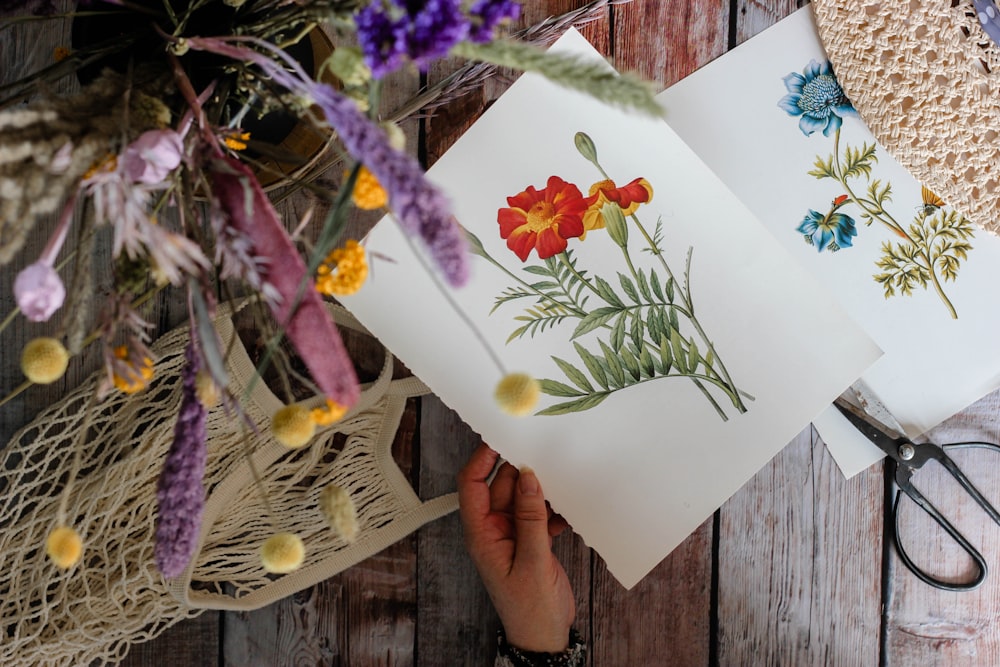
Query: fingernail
x: 527, y: 482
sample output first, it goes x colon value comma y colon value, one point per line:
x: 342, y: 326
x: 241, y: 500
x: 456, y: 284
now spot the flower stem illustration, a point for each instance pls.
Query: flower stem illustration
x: 926, y: 253
x: 644, y: 329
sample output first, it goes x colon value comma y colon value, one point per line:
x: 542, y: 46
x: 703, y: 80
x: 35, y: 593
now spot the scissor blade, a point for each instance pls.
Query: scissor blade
x: 878, y: 433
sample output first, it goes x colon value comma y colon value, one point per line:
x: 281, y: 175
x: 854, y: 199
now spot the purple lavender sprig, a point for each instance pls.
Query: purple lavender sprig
x: 180, y: 495
x: 390, y: 31
x: 420, y: 207
x: 488, y: 14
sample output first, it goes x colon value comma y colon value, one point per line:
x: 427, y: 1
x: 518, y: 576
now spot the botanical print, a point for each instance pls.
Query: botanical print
x: 644, y: 329
x: 926, y: 253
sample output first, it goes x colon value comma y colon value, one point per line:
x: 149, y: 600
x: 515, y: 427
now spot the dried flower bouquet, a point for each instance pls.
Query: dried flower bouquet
x: 158, y: 155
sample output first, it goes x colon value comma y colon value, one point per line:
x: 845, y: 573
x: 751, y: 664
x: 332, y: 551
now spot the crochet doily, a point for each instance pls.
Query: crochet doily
x: 924, y: 77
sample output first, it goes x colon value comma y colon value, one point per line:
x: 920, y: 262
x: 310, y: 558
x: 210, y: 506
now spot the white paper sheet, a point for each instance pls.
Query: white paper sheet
x: 934, y: 365
x: 640, y: 472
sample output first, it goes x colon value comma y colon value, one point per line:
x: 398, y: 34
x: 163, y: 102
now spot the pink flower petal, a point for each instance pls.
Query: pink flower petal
x: 310, y: 329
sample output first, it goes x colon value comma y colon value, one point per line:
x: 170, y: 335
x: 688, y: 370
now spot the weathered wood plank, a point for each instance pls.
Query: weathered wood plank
x: 665, y: 618
x: 800, y: 552
x: 193, y: 642
x: 666, y: 41
x: 927, y: 626
x: 752, y: 16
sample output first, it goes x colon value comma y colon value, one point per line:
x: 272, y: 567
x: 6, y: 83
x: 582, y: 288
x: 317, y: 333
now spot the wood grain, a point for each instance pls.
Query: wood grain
x: 752, y: 16
x: 665, y: 618
x: 666, y: 41
x: 927, y: 626
x: 800, y: 553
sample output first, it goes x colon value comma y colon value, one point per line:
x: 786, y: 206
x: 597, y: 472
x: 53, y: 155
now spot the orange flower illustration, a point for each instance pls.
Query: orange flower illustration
x: 628, y: 198
x: 543, y: 219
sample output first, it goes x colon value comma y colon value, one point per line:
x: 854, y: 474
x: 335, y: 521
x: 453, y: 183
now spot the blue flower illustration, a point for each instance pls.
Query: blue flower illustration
x: 817, y: 97
x: 832, y: 231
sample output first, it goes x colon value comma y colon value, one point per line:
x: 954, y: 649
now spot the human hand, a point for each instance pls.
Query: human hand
x: 508, y: 533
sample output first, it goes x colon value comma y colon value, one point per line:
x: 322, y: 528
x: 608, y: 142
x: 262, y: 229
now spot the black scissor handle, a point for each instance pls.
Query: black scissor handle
x: 942, y: 521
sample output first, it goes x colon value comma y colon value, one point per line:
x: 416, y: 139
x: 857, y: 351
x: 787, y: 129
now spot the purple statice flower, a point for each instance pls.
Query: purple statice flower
x: 180, y: 495
x: 488, y: 14
x: 420, y: 207
x: 422, y: 30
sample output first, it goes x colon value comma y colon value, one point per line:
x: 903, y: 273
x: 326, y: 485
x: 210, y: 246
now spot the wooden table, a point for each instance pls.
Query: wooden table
x: 793, y: 570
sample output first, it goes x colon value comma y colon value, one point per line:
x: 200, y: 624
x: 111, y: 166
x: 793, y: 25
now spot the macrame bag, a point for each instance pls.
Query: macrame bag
x: 116, y: 596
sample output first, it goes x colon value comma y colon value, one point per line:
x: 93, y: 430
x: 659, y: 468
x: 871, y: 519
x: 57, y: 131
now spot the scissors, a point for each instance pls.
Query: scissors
x: 905, y: 458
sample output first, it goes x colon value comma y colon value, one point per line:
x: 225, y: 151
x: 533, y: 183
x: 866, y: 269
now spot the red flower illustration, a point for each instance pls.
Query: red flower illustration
x: 627, y: 197
x: 542, y: 219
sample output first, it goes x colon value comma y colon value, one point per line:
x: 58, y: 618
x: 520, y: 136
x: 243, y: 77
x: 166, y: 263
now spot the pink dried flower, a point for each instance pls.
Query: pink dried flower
x: 239, y: 203
x: 39, y: 291
x: 151, y: 157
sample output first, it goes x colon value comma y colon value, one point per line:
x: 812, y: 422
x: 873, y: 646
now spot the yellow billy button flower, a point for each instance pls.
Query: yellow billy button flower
x: 328, y: 414
x: 338, y: 508
x: 205, y: 389
x: 293, y: 426
x: 44, y: 360
x: 139, y: 377
x: 368, y: 193
x: 282, y: 553
x: 517, y: 394
x: 60, y: 53
x: 64, y: 547
x: 344, y: 270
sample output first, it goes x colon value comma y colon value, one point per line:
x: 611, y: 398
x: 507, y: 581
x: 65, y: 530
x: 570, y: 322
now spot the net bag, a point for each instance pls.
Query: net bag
x: 115, y: 596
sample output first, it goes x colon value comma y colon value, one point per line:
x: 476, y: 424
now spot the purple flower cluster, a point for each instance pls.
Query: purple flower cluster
x: 394, y: 31
x: 488, y: 14
x: 180, y: 495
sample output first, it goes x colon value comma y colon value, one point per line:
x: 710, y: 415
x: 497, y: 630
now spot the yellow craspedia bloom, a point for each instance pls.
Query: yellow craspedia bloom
x: 44, y: 360
x: 330, y: 413
x: 139, y: 377
x: 64, y: 547
x: 282, y: 553
x: 338, y: 508
x: 344, y: 270
x: 293, y: 426
x: 517, y: 394
x: 368, y: 193
x: 205, y: 389
x: 60, y: 53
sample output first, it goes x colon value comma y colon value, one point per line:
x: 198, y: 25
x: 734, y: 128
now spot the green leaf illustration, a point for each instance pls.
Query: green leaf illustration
x: 629, y: 288
x: 630, y: 363
x: 594, y: 366
x: 574, y: 375
x: 578, y: 405
x: 654, y: 282
x: 858, y: 161
x: 594, y: 320
x: 606, y: 292
x: 614, y: 364
x: 824, y: 168
x: 553, y: 388
x: 618, y: 331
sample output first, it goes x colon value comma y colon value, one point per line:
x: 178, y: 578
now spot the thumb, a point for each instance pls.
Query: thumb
x: 531, y: 520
